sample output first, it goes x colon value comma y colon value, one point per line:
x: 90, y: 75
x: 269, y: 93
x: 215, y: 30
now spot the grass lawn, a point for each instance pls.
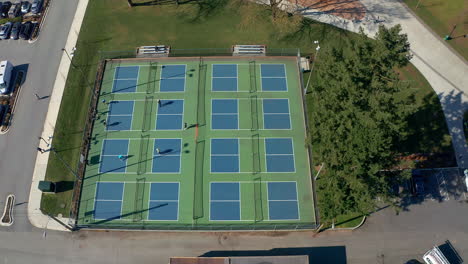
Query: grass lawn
x: 112, y: 25
x: 441, y: 16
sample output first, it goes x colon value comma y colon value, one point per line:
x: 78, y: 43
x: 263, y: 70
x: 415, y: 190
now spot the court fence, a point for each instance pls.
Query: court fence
x: 87, y: 133
x: 128, y: 54
x: 109, y: 55
x: 203, y: 227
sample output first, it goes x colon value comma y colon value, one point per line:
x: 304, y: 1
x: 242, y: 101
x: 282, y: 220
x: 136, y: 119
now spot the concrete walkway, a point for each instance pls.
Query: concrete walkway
x: 445, y: 70
x: 35, y: 215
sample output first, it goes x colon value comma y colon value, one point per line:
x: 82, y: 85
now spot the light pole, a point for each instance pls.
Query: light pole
x: 68, y: 55
x: 74, y: 66
x: 313, y: 63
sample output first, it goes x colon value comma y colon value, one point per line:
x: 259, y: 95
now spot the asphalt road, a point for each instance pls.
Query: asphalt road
x: 18, y: 147
x: 385, y: 238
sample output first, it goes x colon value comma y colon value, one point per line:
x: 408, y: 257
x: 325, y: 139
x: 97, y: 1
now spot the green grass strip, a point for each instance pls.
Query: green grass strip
x: 147, y: 114
x: 256, y: 153
x: 200, y: 144
x: 143, y: 159
x: 253, y: 77
x: 198, y: 182
x: 139, y: 196
x: 151, y: 84
x: 258, y: 199
x: 254, y: 112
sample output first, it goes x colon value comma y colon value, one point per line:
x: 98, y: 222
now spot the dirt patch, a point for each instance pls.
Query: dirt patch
x: 348, y: 9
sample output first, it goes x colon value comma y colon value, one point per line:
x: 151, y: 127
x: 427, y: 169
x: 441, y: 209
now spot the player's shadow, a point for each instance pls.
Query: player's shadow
x: 114, y: 124
x: 166, y: 151
x: 167, y: 102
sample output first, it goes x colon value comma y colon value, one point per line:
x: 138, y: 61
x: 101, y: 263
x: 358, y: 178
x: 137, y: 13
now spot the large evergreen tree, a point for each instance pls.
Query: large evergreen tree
x: 357, y: 120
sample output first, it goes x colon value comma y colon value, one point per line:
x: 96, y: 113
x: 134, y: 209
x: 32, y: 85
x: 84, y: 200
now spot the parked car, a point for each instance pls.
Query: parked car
x: 5, y: 8
x: 26, y: 30
x: 14, y: 10
x: 15, y: 30
x: 5, y: 30
x: 25, y: 7
x: 36, y: 6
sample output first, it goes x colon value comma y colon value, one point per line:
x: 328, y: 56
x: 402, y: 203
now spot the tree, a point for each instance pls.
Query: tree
x: 358, y: 121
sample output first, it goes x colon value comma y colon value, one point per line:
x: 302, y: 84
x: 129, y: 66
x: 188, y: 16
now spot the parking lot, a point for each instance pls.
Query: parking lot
x: 21, y: 19
x: 441, y: 184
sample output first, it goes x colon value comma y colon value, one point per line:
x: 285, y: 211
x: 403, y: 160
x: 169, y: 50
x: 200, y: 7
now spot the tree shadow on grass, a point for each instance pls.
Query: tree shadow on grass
x: 206, y: 9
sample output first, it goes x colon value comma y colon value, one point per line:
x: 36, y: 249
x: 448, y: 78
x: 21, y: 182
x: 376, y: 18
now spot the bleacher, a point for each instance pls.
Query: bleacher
x: 153, y: 51
x: 249, y: 50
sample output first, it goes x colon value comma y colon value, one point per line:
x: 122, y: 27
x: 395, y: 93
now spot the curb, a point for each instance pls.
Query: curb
x: 35, y: 215
x: 10, y: 212
x: 345, y: 228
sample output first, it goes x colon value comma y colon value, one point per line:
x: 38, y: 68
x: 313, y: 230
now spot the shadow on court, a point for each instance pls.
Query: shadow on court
x: 334, y: 254
x: 125, y: 215
x: 95, y: 160
x: 188, y: 73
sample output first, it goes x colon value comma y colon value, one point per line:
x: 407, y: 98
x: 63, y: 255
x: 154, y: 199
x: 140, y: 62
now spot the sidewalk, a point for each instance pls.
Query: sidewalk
x: 444, y: 70
x: 35, y: 215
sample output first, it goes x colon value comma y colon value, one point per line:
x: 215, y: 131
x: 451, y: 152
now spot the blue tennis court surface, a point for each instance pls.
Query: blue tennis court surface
x: 282, y: 201
x: 111, y: 150
x: 276, y: 114
x: 172, y: 78
x: 120, y: 115
x: 224, y: 77
x: 273, y: 77
x: 279, y: 155
x: 166, y: 155
x: 108, y: 202
x: 164, y: 201
x: 224, y: 114
x: 225, y: 201
x: 224, y: 155
x: 125, y: 79
x: 170, y: 115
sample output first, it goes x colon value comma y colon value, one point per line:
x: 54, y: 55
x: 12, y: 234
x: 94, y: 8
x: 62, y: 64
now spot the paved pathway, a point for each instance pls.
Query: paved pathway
x: 35, y: 216
x: 445, y: 70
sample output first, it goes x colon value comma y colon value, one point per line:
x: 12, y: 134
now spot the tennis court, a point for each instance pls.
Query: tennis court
x: 125, y: 79
x: 224, y: 77
x: 170, y: 114
x: 180, y: 143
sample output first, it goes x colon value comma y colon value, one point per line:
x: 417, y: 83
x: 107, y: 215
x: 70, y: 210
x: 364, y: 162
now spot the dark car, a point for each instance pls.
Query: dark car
x: 26, y: 30
x: 36, y: 6
x: 15, y: 30
x: 5, y: 30
x: 5, y: 8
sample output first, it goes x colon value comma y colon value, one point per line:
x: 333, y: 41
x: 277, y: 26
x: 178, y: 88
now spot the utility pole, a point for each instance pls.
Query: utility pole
x: 313, y: 63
